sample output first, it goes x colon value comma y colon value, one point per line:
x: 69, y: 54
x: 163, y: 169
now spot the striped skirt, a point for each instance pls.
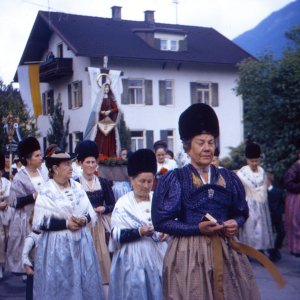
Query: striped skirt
x: 200, y: 267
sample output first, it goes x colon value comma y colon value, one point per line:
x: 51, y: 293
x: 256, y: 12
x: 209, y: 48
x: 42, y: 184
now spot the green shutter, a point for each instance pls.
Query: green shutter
x: 125, y: 95
x: 162, y: 92
x: 148, y: 92
x: 149, y: 139
x: 157, y: 44
x: 70, y: 96
x: 214, y: 94
x: 183, y: 45
x: 193, y: 88
x: 80, y: 93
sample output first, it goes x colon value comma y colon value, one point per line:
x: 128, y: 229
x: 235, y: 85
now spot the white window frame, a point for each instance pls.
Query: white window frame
x: 133, y: 92
x: 138, y: 139
x: 171, y: 139
x: 171, y: 90
x: 76, y: 94
x: 169, y: 45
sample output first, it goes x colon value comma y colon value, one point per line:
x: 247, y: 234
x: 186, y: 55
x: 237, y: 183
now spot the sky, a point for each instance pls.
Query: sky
x: 230, y: 17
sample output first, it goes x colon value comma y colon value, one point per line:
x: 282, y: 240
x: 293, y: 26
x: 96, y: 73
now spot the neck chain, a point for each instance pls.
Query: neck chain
x: 88, y: 185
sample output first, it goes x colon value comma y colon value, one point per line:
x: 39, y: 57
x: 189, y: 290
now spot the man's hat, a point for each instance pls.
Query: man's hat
x: 197, y: 119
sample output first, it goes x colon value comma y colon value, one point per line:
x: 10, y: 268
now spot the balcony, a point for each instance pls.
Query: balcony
x: 55, y: 68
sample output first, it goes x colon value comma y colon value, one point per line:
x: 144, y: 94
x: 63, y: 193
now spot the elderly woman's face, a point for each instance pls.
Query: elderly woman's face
x: 202, y: 150
x: 35, y: 161
x: 63, y: 171
x: 142, y: 184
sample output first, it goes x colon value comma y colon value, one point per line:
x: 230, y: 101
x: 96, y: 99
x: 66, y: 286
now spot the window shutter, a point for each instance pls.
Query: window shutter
x: 125, y: 96
x: 44, y: 104
x: 70, y: 143
x: 70, y: 96
x: 80, y: 93
x: 164, y: 135
x: 162, y: 92
x: 183, y: 45
x: 149, y: 139
x: 148, y: 92
x: 157, y: 44
x: 51, y: 97
x: 80, y: 136
x: 214, y: 94
x: 193, y: 87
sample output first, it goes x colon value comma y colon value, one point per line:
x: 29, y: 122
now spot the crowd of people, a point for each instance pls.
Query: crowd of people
x: 171, y: 235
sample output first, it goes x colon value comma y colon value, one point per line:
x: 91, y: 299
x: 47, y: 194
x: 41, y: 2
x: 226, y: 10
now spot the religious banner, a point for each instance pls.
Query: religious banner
x: 29, y: 80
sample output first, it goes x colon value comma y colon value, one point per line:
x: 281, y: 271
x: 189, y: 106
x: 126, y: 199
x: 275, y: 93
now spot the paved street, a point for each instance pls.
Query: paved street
x: 12, y: 287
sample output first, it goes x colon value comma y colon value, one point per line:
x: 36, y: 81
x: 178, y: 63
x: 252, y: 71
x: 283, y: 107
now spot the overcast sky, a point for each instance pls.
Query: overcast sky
x: 230, y: 17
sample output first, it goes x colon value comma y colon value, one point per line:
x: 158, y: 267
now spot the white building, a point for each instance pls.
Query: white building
x: 165, y: 67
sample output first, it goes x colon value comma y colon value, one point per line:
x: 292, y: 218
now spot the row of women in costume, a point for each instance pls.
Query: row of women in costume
x: 200, y: 207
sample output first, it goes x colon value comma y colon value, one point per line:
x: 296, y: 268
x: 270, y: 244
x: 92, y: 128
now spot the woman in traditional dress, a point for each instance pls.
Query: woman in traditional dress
x: 4, y: 213
x: 102, y: 199
x: 292, y: 205
x: 200, y: 262
x: 257, y: 230
x: 24, y: 188
x: 139, y: 250
x: 66, y: 264
x: 106, y: 140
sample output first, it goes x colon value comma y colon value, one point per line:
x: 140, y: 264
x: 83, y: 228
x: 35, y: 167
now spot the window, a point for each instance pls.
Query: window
x: 59, y: 51
x: 74, y: 139
x: 137, y: 92
x: 207, y: 93
x: 169, y: 45
x: 165, y: 92
x: 75, y: 94
x: 170, y: 140
x: 137, y: 140
x: 48, y: 102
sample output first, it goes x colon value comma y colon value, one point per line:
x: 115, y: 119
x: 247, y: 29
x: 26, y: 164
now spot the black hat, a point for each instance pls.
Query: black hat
x: 2, y: 161
x: 86, y: 149
x: 197, y: 119
x: 27, y: 146
x: 252, y: 150
x: 142, y: 161
x: 56, y: 157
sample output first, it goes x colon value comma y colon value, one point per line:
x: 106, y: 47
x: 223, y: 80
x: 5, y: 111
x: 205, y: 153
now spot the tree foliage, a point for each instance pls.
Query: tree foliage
x: 11, y: 102
x: 59, y: 130
x: 271, y: 93
x: 124, y: 133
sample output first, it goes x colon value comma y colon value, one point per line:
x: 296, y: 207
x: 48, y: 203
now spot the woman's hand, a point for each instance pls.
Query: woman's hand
x: 230, y: 228
x: 74, y: 223
x: 3, y: 205
x: 146, y: 230
x: 100, y: 209
x: 28, y: 270
x: 163, y: 236
x: 209, y: 227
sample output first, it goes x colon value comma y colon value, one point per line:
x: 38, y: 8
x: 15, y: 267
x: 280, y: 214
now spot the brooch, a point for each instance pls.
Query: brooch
x: 211, y: 193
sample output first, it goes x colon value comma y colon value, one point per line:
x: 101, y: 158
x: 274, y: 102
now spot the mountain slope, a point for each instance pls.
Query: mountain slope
x: 269, y: 35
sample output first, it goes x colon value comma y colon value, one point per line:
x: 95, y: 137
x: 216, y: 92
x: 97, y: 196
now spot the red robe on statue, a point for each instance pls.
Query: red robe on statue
x: 107, y: 144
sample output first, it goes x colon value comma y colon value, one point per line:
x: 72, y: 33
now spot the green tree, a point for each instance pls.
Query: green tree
x: 124, y: 132
x: 271, y: 95
x: 59, y: 130
x: 11, y: 102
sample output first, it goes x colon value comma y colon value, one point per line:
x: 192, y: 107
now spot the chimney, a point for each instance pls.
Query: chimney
x: 116, y: 12
x: 149, y: 16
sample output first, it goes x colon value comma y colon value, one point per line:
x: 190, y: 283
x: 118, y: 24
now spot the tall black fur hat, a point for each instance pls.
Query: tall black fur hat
x: 142, y: 161
x: 27, y: 146
x: 197, y: 119
x: 86, y: 149
x: 252, y: 150
x: 2, y: 161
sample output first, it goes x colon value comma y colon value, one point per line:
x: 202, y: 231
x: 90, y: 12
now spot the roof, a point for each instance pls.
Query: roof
x: 95, y: 37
